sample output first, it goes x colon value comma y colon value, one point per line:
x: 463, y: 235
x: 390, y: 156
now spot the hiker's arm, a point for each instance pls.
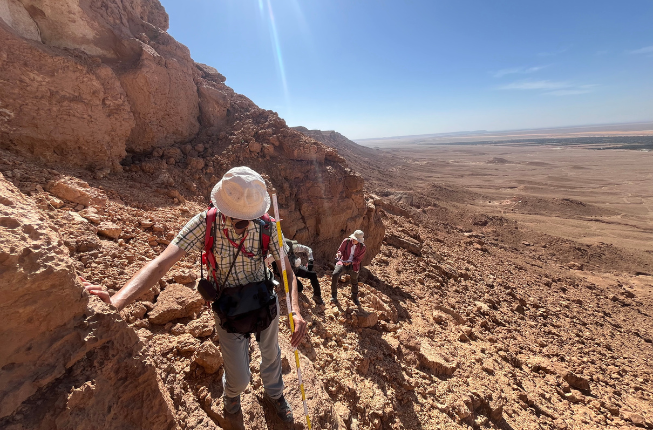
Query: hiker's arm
x: 143, y: 280
x: 341, y: 249
x: 300, y: 324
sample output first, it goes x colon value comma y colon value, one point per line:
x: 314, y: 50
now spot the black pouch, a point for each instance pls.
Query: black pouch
x: 207, y: 290
x: 248, y: 308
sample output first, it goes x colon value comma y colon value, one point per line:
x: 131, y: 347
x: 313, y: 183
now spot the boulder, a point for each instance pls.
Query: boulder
x: 203, y: 326
x: 176, y: 301
x: 91, y: 215
x: 446, y: 270
x: 430, y: 359
x: 109, y: 229
x: 576, y: 381
x: 76, y: 191
x: 187, y: 344
x: 409, y: 245
x: 208, y: 356
x: 213, y: 104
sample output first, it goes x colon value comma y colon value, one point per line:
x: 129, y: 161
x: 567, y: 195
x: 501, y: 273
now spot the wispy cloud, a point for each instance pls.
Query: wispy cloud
x: 535, y: 85
x: 551, y: 88
x: 645, y: 50
x: 553, y: 53
x: 517, y: 71
x: 567, y: 92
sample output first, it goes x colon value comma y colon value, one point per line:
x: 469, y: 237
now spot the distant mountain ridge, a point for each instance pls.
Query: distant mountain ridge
x: 600, y: 130
x: 370, y: 163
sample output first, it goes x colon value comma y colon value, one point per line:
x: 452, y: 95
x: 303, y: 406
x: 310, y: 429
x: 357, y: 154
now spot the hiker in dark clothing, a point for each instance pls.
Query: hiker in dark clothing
x: 301, y: 271
x: 349, y: 257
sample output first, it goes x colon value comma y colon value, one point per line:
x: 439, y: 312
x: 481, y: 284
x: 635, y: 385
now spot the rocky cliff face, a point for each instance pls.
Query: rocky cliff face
x: 65, y: 362
x: 102, y: 86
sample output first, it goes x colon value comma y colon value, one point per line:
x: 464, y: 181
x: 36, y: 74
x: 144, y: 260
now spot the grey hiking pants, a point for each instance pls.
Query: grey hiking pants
x: 340, y: 270
x: 235, y: 352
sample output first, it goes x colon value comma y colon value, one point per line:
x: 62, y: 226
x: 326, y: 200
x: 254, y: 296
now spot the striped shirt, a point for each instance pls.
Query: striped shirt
x: 247, y: 269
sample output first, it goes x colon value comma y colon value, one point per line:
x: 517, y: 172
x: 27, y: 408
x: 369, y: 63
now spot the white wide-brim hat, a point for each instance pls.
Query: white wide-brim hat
x: 241, y: 194
x: 358, y: 235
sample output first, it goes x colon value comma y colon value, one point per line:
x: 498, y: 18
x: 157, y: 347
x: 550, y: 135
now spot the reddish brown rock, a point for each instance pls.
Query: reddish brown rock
x: 73, y: 359
x: 430, y: 358
x: 164, y: 98
x: 109, y: 229
x: 203, y: 326
x: 366, y: 319
x: 33, y: 265
x: 176, y: 301
x: 77, y: 191
x: 187, y: 344
x: 208, y: 356
x: 66, y: 103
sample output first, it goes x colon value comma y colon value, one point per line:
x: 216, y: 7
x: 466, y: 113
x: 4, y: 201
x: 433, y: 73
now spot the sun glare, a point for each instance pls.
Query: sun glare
x: 276, y: 46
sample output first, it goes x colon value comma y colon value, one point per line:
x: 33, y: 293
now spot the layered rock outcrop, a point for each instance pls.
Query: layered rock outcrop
x: 86, y: 81
x: 65, y: 361
x: 104, y: 87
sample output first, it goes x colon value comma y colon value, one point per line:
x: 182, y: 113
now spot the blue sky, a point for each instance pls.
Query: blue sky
x: 379, y: 68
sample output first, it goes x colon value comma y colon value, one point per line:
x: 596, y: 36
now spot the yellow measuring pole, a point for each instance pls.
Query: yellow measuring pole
x: 289, y: 304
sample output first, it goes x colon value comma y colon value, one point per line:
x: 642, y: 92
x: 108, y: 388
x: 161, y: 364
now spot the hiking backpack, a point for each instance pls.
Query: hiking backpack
x: 209, y: 288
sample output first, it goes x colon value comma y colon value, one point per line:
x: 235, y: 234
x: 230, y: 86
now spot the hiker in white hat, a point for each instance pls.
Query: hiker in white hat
x: 349, y: 257
x: 240, y: 278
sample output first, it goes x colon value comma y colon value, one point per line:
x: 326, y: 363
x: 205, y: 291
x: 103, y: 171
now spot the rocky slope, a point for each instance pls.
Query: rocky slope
x: 66, y: 363
x: 457, y: 329
x: 111, y: 138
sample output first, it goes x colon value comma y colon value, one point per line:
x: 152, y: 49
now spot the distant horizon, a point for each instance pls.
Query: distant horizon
x: 470, y: 132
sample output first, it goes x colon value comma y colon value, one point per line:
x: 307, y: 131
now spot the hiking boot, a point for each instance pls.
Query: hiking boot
x: 318, y: 300
x: 231, y: 404
x: 355, y: 300
x: 281, y: 407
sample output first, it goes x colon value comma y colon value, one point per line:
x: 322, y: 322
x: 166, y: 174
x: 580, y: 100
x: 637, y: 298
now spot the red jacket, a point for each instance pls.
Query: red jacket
x: 345, y: 250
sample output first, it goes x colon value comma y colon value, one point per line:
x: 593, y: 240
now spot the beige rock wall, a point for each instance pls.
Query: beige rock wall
x: 106, y: 78
x: 59, y: 108
x: 15, y: 16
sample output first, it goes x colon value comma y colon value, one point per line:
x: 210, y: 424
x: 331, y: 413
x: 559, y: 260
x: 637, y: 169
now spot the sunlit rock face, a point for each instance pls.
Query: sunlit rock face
x: 64, y: 360
x: 102, y: 86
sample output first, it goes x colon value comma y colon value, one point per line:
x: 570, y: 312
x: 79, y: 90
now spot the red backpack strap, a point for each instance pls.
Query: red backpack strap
x: 207, y: 257
x: 266, y: 232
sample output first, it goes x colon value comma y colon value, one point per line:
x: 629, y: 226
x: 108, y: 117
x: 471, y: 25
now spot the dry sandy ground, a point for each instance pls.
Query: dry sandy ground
x: 582, y: 194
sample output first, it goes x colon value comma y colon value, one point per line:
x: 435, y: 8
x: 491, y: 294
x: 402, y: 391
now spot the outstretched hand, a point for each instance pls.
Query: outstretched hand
x: 300, y: 330
x: 97, y: 290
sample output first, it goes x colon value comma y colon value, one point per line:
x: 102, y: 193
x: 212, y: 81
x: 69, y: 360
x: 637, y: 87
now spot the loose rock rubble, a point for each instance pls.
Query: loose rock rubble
x: 453, y: 337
